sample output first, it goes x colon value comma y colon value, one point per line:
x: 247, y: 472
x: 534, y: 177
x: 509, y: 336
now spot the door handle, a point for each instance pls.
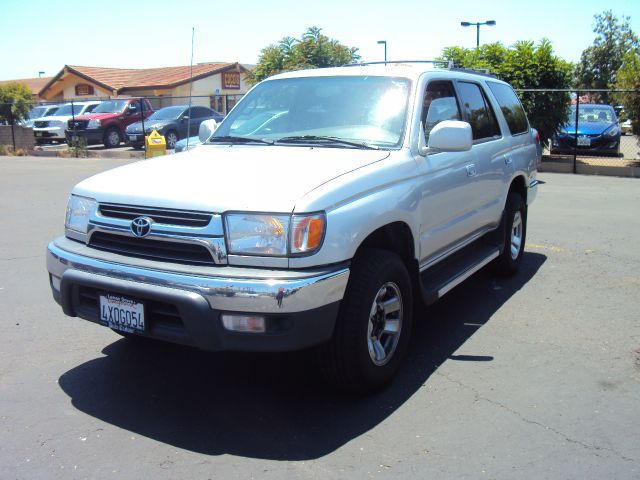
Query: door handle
x: 471, y: 170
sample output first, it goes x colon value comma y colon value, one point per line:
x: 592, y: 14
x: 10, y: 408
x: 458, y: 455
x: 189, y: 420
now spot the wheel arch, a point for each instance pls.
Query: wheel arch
x: 395, y: 237
x: 519, y: 186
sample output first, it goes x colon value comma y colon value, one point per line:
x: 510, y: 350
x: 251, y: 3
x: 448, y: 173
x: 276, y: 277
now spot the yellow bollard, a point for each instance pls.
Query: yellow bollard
x: 155, y: 144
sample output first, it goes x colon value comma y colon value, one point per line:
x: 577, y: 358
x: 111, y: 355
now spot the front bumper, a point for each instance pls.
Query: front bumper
x: 300, y: 307
x: 49, y: 133
x: 92, y: 136
x: 598, y: 144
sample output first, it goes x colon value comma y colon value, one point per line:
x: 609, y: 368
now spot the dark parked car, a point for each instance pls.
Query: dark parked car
x: 172, y: 123
x: 598, y: 131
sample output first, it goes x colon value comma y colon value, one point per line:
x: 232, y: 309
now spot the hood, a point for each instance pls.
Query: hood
x: 216, y: 178
x: 98, y: 116
x: 587, y: 128
x: 148, y: 124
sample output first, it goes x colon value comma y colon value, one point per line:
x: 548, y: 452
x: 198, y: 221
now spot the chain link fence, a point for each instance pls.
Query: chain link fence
x: 597, y: 137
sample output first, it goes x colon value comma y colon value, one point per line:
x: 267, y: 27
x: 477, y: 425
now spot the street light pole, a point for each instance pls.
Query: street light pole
x: 491, y: 23
x: 384, y: 42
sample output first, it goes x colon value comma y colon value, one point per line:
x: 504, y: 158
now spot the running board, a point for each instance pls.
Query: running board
x: 451, y: 272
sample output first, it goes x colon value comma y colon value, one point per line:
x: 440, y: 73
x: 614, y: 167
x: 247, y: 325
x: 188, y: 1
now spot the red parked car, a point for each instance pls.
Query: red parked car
x: 108, y: 122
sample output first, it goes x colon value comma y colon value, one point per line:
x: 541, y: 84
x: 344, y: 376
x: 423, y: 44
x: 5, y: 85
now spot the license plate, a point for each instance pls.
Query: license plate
x: 75, y: 138
x: 584, y: 142
x: 132, y: 138
x: 38, y: 134
x: 122, y: 313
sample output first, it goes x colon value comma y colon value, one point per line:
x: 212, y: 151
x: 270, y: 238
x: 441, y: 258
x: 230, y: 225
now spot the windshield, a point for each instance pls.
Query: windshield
x: 111, y: 106
x: 168, y: 113
x: 36, y: 112
x: 366, y: 109
x: 592, y: 114
x: 66, y: 110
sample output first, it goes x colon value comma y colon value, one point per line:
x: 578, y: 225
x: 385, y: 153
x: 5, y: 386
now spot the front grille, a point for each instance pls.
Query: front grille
x: 188, y: 253
x: 160, y: 317
x: 40, y: 124
x: 77, y: 124
x: 181, y: 218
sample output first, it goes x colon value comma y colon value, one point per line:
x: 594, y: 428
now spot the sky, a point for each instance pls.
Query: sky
x: 39, y: 35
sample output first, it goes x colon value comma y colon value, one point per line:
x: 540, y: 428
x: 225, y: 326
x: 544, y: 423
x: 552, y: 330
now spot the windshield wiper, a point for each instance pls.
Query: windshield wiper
x: 322, y: 140
x: 233, y: 139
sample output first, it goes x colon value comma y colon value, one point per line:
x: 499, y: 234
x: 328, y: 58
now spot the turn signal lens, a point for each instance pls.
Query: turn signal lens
x: 308, y: 233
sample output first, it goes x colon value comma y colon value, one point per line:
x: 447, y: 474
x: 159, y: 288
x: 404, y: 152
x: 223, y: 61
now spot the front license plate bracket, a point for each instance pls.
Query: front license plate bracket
x: 122, y: 313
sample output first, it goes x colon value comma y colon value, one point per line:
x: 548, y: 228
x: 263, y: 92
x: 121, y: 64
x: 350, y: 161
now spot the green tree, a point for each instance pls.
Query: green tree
x: 312, y: 50
x: 628, y: 78
x: 16, y: 100
x: 525, y: 66
x: 600, y: 63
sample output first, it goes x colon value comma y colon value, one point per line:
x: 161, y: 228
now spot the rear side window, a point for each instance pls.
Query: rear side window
x: 511, y: 107
x: 478, y: 112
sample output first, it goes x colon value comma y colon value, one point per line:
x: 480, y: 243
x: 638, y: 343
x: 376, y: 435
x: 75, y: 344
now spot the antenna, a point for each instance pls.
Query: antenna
x: 193, y: 31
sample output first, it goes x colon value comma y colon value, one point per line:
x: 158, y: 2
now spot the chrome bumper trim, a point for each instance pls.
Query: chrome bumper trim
x: 259, y: 294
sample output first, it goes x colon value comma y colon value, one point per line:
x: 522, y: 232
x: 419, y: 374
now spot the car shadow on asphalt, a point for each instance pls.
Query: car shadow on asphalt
x: 272, y: 406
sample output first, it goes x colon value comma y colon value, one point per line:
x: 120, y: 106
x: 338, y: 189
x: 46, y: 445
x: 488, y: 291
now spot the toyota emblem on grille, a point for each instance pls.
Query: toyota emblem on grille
x: 141, y: 226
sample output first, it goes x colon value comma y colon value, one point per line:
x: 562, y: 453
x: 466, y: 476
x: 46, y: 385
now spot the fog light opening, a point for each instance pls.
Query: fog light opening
x: 244, y: 323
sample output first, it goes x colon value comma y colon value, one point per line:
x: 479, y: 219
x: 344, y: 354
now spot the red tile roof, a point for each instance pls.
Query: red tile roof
x: 163, y: 77
x: 35, y: 84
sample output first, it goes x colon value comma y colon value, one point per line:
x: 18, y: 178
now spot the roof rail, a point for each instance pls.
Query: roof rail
x: 446, y: 63
x: 478, y: 71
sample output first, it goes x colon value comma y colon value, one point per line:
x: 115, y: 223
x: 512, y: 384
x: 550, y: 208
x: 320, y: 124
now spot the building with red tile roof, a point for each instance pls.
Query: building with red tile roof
x: 207, y: 83
x: 33, y: 84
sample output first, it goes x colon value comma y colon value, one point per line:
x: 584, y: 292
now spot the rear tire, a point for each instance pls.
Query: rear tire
x: 509, y: 261
x: 373, y: 328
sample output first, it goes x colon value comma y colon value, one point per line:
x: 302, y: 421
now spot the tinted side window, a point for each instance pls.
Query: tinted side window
x: 478, y: 112
x: 200, y: 112
x: 439, y: 104
x: 90, y: 109
x: 511, y: 107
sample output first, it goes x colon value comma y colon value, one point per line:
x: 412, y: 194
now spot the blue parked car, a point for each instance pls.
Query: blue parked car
x: 598, y: 131
x: 181, y: 145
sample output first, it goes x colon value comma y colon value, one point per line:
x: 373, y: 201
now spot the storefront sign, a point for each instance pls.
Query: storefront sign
x: 231, y: 80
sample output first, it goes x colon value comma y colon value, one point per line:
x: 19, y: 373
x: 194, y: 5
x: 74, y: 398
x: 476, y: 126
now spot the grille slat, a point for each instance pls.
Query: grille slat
x: 152, y: 249
x: 159, y: 215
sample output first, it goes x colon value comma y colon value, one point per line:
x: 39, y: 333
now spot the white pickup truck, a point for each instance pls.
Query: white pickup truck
x: 316, y: 214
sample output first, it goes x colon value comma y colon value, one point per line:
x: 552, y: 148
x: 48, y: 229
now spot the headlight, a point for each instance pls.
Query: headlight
x: 274, y: 234
x: 78, y: 212
x: 612, y: 131
x: 93, y: 124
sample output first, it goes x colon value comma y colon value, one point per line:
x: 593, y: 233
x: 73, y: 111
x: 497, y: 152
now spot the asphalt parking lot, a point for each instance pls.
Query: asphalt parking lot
x: 536, y: 376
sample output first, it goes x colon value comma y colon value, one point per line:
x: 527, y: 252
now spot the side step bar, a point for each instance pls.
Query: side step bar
x: 443, y: 277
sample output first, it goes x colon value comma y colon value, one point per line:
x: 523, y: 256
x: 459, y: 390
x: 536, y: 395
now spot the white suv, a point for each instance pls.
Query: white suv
x: 318, y: 211
x: 52, y: 127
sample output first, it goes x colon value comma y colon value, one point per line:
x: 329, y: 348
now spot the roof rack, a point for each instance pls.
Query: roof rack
x: 478, y: 71
x: 446, y: 63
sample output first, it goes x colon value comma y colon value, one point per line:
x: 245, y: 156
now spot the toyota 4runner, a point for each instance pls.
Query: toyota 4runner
x: 325, y: 205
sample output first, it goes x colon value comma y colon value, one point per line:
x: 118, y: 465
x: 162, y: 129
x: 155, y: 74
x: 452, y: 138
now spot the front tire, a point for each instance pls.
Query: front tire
x: 112, y: 138
x: 373, y: 328
x: 509, y: 261
x: 171, y: 138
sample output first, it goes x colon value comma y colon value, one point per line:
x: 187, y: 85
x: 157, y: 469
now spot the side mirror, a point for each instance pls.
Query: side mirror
x: 185, y: 118
x: 206, y: 130
x: 132, y: 110
x: 447, y: 136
